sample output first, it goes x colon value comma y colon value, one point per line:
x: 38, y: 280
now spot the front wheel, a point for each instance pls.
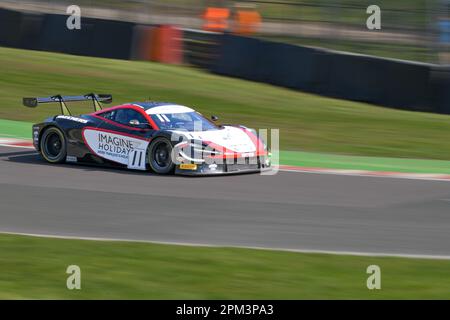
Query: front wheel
x: 160, y: 156
x: 53, y: 145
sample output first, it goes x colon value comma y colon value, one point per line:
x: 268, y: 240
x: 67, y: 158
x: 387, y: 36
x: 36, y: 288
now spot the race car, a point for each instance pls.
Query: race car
x: 162, y: 137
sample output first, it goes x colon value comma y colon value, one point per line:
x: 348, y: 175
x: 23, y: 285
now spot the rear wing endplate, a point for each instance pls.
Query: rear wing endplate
x: 95, y: 98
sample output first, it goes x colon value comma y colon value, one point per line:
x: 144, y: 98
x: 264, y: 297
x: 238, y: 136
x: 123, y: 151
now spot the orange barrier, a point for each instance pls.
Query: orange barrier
x: 216, y: 19
x: 246, y: 22
x: 166, y: 45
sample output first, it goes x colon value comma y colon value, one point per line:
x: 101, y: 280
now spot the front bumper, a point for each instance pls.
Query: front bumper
x: 203, y: 169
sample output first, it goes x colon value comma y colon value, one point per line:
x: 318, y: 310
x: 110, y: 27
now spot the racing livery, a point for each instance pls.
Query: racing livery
x: 158, y: 136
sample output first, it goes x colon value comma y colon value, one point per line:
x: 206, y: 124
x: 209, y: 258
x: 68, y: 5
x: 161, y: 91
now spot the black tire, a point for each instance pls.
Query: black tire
x: 159, y: 155
x: 53, y: 145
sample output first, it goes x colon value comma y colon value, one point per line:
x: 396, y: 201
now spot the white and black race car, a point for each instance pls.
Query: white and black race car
x: 159, y: 136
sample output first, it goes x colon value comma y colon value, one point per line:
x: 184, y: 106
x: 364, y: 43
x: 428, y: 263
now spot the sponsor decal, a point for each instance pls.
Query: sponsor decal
x: 188, y: 166
x: 113, y: 146
x: 136, y: 159
x: 231, y: 138
x: 71, y: 118
x: 71, y: 159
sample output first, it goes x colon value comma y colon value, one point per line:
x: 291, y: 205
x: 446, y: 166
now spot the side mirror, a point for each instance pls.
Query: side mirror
x: 137, y: 124
x: 214, y: 118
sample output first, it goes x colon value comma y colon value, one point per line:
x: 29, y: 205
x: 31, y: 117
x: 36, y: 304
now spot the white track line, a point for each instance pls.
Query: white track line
x: 337, y: 252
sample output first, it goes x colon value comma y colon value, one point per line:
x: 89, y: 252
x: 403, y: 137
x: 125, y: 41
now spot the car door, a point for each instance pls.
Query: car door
x: 123, y: 136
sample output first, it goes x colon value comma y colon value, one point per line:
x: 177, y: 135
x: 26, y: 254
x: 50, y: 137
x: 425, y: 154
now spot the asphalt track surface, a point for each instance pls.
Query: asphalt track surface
x: 290, y: 210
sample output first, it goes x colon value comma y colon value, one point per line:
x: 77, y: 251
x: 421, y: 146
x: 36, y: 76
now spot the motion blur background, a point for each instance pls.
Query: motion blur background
x: 411, y: 29
x: 277, y: 42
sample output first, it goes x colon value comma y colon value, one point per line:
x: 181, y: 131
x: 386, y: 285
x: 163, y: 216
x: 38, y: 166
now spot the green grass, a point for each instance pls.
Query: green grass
x: 15, y: 129
x: 307, y: 122
x: 34, y: 268
x: 323, y: 160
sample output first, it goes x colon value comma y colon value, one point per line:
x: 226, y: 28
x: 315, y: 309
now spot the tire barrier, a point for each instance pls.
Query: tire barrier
x: 238, y: 57
x: 111, y: 39
x: 275, y: 63
x: 54, y: 36
x: 48, y: 32
x: 10, y: 22
x: 440, y: 89
x: 141, y: 43
x: 30, y: 30
x: 201, y: 48
x: 97, y: 37
x: 293, y: 67
x: 380, y: 81
x: 386, y: 82
x: 19, y: 30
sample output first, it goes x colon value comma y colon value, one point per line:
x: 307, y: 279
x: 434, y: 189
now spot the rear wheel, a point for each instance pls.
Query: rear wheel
x: 160, y: 156
x: 53, y: 145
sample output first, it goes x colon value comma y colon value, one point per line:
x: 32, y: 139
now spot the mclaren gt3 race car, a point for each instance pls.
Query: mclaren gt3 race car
x: 159, y: 136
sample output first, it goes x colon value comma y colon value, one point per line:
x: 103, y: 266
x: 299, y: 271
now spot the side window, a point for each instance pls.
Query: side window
x: 108, y: 115
x: 124, y: 116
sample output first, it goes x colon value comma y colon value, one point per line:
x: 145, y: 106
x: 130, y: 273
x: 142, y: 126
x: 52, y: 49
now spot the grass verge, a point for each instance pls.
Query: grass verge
x: 35, y: 268
x: 307, y: 122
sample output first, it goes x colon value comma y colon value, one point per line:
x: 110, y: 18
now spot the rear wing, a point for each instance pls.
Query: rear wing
x: 95, y: 98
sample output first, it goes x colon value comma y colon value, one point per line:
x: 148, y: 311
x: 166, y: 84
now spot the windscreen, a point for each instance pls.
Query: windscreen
x: 190, y: 121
